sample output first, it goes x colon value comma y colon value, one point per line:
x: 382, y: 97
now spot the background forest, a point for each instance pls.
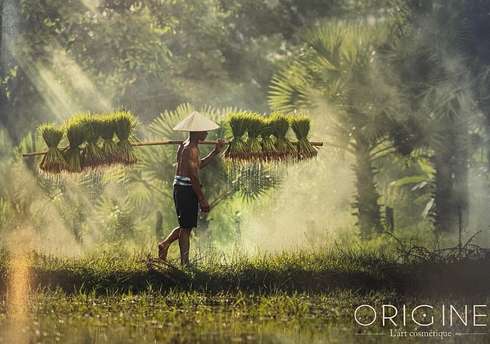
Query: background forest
x: 397, y: 89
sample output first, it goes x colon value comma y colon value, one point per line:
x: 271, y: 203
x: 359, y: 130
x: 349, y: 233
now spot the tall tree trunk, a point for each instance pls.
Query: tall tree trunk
x: 445, y: 209
x: 451, y: 180
x: 487, y: 146
x: 1, y: 34
x: 3, y: 99
x: 9, y: 30
x: 366, y: 204
x: 9, y: 27
x: 461, y: 172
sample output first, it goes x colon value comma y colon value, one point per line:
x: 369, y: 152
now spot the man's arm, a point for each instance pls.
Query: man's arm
x: 207, y: 159
x: 217, y: 149
x: 194, y: 175
x: 179, y: 152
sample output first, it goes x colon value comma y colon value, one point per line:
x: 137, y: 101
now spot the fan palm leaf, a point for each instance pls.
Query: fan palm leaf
x: 340, y: 66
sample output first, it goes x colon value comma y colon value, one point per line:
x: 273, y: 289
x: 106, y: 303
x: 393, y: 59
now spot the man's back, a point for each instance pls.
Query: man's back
x: 187, y: 156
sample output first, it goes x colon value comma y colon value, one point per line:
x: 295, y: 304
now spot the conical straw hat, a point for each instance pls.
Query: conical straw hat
x: 196, y: 122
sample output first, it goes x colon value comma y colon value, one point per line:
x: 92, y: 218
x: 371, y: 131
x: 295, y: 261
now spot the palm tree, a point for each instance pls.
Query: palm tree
x: 444, y: 116
x: 340, y: 65
x: 9, y: 31
x: 436, y: 80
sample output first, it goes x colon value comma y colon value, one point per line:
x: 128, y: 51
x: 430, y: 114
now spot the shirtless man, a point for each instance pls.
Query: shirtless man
x: 188, y: 195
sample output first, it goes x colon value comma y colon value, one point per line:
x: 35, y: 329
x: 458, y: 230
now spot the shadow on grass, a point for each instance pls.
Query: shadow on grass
x: 286, y: 273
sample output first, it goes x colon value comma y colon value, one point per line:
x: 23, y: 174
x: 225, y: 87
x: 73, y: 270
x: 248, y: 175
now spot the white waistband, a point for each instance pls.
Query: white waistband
x: 181, y: 180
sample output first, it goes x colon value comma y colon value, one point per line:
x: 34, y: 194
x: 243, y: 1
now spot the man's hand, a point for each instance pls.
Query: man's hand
x: 219, y: 146
x: 204, y: 205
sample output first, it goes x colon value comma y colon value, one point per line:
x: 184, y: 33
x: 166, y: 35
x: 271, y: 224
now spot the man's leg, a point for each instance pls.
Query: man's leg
x: 184, y: 245
x: 165, y: 244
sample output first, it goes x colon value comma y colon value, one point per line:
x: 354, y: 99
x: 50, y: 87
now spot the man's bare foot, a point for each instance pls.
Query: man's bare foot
x: 163, y: 250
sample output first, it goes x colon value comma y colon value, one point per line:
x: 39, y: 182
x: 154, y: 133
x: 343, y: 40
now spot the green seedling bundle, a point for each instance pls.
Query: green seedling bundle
x: 76, y: 137
x: 253, y: 148
x: 53, y: 161
x: 107, y: 129
x: 91, y: 141
x: 236, y: 148
x: 102, y: 140
x: 267, y: 138
x: 268, y: 146
x: 301, y: 128
x: 124, y: 125
x: 92, y: 153
x: 279, y: 126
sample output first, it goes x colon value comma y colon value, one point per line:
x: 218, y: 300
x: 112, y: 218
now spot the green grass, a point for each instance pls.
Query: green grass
x: 108, y: 297
x: 180, y: 317
x: 288, y: 272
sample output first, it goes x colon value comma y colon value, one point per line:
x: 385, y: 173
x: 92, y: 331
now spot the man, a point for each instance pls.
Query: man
x: 188, y: 195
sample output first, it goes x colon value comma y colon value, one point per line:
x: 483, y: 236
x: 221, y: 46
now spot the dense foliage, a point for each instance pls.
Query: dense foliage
x: 400, y: 86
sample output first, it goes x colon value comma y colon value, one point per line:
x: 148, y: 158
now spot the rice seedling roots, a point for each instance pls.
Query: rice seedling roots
x: 255, y: 139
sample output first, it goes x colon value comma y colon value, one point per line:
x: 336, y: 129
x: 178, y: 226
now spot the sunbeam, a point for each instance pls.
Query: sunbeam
x: 18, y: 287
x: 91, y: 4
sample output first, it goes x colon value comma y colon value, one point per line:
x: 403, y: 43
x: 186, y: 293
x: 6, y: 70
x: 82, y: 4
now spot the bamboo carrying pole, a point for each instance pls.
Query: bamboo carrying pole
x: 159, y: 143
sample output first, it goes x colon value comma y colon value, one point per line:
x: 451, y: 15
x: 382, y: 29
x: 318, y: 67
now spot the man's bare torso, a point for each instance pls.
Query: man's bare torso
x: 185, y: 159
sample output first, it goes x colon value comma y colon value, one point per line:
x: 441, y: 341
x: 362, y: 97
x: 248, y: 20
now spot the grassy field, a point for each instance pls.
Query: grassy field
x: 359, y: 270
x: 193, y: 317
x: 290, y: 298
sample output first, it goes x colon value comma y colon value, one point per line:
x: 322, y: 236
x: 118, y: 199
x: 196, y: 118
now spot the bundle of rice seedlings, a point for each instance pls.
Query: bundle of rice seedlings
x: 109, y: 146
x: 92, y: 153
x: 301, y: 128
x: 53, y: 161
x: 253, y: 123
x: 236, y: 148
x: 268, y: 146
x: 284, y: 149
x: 76, y: 136
x: 124, y: 124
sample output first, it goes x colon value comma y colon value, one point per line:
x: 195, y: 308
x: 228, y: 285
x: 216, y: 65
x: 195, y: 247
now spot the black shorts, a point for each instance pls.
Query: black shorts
x: 186, y: 205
